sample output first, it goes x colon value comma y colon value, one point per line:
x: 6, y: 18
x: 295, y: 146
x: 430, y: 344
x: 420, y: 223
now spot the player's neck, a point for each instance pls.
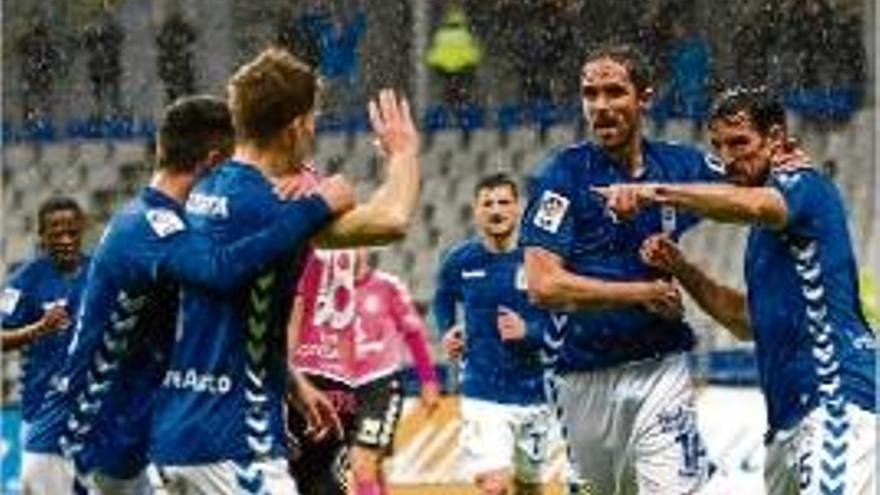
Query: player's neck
x: 499, y: 244
x: 268, y: 161
x: 175, y: 185
x: 630, y: 158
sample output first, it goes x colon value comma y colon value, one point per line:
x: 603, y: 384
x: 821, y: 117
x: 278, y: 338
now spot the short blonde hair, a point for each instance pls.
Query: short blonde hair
x: 268, y: 92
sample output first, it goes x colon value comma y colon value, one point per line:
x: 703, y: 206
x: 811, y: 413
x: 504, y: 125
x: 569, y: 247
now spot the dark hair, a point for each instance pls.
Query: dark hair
x: 640, y: 71
x: 763, y: 108
x: 266, y: 94
x: 191, y: 127
x: 494, y: 181
x: 56, y: 204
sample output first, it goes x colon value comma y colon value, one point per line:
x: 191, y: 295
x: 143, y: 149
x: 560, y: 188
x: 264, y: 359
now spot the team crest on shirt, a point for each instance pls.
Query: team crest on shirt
x: 787, y: 179
x: 164, y: 222
x: 551, y: 211
x: 9, y: 300
x: 715, y: 164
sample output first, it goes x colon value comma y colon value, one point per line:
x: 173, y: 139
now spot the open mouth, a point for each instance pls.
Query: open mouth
x: 604, y: 126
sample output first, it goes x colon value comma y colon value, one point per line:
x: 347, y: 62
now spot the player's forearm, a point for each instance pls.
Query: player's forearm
x: 443, y: 309
x: 724, y: 304
x: 199, y: 260
x: 421, y: 356
x: 13, y: 340
x: 385, y: 217
x: 567, y: 291
x: 727, y: 203
x: 551, y: 285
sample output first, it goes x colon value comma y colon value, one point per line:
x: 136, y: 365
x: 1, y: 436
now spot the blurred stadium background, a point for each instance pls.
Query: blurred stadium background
x: 494, y: 85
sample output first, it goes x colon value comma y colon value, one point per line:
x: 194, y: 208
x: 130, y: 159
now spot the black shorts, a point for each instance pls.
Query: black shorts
x: 369, y: 416
x: 379, y: 404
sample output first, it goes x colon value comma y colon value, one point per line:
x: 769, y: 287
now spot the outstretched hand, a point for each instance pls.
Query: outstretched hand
x: 391, y: 120
x: 624, y: 201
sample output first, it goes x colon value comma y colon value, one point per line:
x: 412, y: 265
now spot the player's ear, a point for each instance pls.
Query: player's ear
x: 645, y: 97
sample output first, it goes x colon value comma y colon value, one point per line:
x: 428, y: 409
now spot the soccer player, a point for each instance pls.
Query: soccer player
x: 616, y: 336
x: 348, y: 331
x: 228, y: 439
x: 37, y: 310
x: 99, y: 411
x: 817, y: 356
x: 505, y: 419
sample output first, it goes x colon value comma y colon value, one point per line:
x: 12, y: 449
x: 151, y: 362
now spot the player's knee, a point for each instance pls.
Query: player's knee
x: 496, y: 483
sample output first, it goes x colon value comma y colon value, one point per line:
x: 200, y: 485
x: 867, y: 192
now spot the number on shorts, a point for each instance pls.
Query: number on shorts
x: 692, y: 451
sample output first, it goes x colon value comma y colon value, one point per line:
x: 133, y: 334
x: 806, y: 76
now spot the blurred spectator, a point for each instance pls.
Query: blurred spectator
x: 293, y: 34
x: 103, y: 44
x: 41, y: 64
x: 869, y: 293
x: 338, y: 38
x: 687, y: 63
x: 753, y: 37
x: 454, y: 55
x: 832, y: 59
x: 175, y: 42
x: 543, y: 34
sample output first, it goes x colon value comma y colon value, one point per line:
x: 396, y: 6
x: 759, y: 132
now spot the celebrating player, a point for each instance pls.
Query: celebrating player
x: 506, y: 422
x: 817, y: 356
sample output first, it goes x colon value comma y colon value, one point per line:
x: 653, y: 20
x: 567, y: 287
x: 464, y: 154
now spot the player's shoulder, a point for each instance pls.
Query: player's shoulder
x: 462, y: 250
x: 143, y: 219
x: 230, y: 189
x: 566, y: 162
x: 30, y: 270
x: 389, y: 280
x: 683, y: 157
x: 786, y: 175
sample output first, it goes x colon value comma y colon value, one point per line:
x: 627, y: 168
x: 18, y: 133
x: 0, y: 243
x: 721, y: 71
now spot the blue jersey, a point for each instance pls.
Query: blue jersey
x: 29, y: 292
x: 482, y: 282
x: 812, y: 341
x: 222, y: 396
x: 565, y: 217
x: 101, y: 412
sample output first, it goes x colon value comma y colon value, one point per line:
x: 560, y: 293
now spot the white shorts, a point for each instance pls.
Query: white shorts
x: 269, y: 477
x: 505, y: 437
x: 633, y: 427
x: 824, y: 454
x: 46, y: 474
x: 101, y: 484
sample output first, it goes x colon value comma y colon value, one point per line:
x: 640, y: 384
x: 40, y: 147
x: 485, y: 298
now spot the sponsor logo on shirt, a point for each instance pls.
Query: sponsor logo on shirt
x: 208, y: 205
x: 466, y: 274
x: 551, y: 210
x: 9, y: 300
x: 164, y: 222
x: 194, y: 381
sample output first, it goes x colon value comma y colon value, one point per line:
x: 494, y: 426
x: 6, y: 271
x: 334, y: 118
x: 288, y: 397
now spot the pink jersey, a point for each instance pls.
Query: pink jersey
x: 326, y: 338
x: 387, y: 324
x: 353, y: 330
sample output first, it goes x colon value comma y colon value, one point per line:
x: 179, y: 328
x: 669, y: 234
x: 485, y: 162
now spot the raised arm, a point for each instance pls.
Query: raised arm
x: 552, y: 286
x: 724, y: 304
x: 197, y: 258
x: 385, y: 216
